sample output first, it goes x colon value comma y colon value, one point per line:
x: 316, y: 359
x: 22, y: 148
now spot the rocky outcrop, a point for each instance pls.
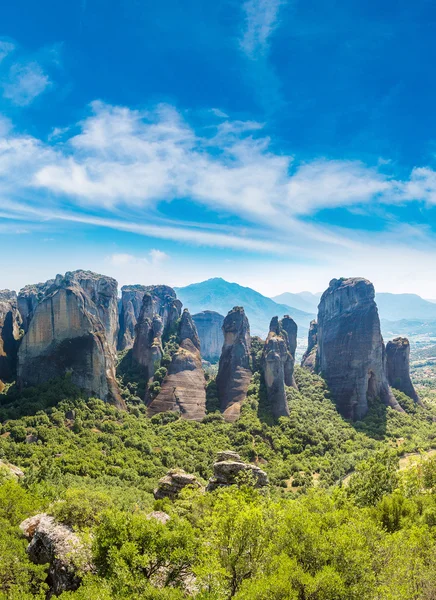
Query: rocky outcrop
x: 72, y: 331
x: 10, y: 323
x: 277, y: 366
x: 159, y: 314
x: 234, y: 373
x: 229, y: 470
x: 130, y: 308
x: 309, y: 357
x: 398, y: 367
x: 11, y: 471
x: 174, y: 482
x: 351, y: 354
x: 183, y: 389
x: 28, y: 299
x: 58, y: 546
x: 209, y: 326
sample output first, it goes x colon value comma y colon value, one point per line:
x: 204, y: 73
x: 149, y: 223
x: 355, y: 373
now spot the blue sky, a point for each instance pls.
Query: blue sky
x: 275, y: 143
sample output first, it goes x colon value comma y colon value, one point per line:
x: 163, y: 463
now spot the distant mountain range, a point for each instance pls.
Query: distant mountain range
x: 221, y: 296
x: 400, y: 314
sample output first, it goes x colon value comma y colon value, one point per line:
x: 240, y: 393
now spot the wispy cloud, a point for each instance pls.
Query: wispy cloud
x: 25, y: 82
x: 6, y: 48
x: 261, y: 18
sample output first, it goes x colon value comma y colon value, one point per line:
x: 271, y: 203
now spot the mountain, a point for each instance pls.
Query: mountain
x: 221, y: 296
x: 395, y: 307
x: 305, y: 301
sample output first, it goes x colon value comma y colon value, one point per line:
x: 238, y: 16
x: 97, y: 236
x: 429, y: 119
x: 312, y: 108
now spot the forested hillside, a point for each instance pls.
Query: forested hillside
x: 308, y: 535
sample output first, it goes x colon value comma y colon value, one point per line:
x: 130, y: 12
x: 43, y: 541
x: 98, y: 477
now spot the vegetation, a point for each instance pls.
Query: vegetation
x: 340, y: 520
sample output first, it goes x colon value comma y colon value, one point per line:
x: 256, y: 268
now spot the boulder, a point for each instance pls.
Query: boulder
x: 277, y: 366
x: 129, y: 310
x: 58, y: 546
x: 160, y: 312
x: 229, y: 470
x: 398, y: 367
x: 174, y: 482
x: 351, y: 354
x: 160, y: 516
x: 183, y: 389
x: 309, y: 357
x: 10, y: 324
x: 11, y: 470
x: 234, y: 373
x: 209, y: 326
x: 72, y: 331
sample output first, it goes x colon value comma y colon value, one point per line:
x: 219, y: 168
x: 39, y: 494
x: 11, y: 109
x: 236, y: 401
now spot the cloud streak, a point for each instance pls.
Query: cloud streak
x: 261, y: 19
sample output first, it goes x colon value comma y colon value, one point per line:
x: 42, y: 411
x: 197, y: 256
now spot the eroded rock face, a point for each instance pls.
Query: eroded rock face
x: 10, y: 323
x: 209, y: 326
x: 234, y: 373
x: 351, y: 354
x: 58, y: 546
x: 130, y: 308
x: 309, y: 357
x: 72, y: 331
x: 28, y: 299
x: 277, y: 366
x: 398, y: 367
x: 159, y: 314
x: 183, y: 389
x: 230, y: 469
x: 174, y: 482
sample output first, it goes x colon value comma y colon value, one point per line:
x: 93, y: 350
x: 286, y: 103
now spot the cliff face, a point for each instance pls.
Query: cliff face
x: 160, y: 311
x: 398, y: 367
x: 10, y: 323
x: 277, y: 366
x: 234, y: 373
x: 309, y: 357
x: 130, y: 308
x: 209, y: 326
x: 184, y: 387
x: 351, y: 353
x: 72, y: 332
x: 28, y: 299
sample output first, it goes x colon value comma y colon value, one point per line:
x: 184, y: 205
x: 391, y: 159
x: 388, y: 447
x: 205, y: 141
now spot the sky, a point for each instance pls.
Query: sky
x: 275, y: 143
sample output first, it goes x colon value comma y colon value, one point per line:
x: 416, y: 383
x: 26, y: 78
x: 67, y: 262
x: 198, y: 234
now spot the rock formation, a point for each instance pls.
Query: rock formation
x: 58, y: 546
x: 184, y: 386
x: 351, y: 354
x: 398, y: 367
x: 229, y: 469
x: 10, y: 323
x: 72, y: 331
x: 309, y: 357
x: 10, y: 470
x: 209, y: 326
x: 159, y: 314
x: 277, y: 366
x: 173, y: 483
x: 234, y: 373
x: 130, y: 308
x: 28, y: 299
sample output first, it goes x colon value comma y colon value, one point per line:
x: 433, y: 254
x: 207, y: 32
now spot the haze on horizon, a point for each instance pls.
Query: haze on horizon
x: 271, y: 143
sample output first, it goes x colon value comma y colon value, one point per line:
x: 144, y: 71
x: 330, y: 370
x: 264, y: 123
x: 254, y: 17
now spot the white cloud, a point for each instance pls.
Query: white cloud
x: 5, y: 49
x: 261, y: 18
x: 25, y: 82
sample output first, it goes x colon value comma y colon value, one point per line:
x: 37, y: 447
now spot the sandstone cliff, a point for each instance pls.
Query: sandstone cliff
x: 10, y: 323
x: 72, y: 331
x: 130, y: 308
x: 159, y: 314
x: 289, y: 330
x: 309, y: 357
x: 209, y: 326
x: 234, y: 373
x: 398, y: 367
x: 277, y: 368
x: 28, y: 299
x: 351, y: 353
x: 183, y: 389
